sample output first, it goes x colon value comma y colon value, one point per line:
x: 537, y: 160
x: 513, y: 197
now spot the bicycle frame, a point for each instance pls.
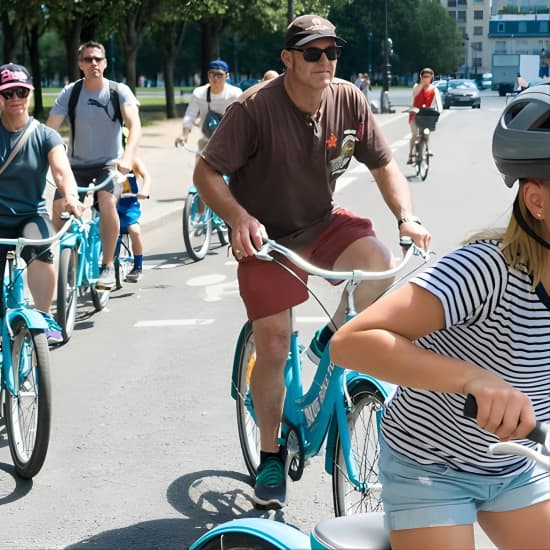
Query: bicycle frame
x: 323, y: 410
x: 16, y: 304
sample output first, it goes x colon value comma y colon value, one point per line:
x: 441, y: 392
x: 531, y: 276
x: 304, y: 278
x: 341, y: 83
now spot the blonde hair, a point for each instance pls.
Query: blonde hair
x: 518, y: 248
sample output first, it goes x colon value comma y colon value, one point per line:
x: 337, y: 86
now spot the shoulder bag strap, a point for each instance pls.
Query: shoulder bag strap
x: 20, y: 142
x: 208, y: 97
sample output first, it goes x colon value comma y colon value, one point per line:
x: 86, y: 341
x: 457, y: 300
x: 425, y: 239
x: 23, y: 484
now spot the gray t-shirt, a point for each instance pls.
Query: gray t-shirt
x: 23, y: 182
x: 98, y: 135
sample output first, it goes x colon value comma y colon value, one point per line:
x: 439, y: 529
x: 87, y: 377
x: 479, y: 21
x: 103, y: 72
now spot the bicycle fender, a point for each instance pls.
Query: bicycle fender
x: 352, y: 378
x: 247, y: 327
x: 280, y: 535
x: 33, y: 319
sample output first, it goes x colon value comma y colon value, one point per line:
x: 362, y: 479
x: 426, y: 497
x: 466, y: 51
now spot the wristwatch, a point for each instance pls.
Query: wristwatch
x: 405, y: 219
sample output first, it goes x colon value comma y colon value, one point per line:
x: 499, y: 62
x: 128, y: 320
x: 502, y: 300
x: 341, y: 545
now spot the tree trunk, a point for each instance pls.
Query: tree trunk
x: 34, y: 54
x: 210, y: 39
x: 172, y: 35
x: 11, y: 35
x: 71, y: 39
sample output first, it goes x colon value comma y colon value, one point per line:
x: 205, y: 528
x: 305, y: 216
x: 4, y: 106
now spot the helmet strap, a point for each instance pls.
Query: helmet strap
x: 525, y: 226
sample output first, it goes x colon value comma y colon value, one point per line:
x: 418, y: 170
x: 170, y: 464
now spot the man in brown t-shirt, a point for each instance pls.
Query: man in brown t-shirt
x: 284, y: 142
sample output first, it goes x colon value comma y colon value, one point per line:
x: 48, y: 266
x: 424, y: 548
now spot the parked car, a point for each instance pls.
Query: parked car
x: 461, y: 92
x: 441, y: 85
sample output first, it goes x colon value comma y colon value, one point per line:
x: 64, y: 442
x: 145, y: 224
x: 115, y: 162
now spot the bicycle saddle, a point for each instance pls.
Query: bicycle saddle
x: 358, y: 532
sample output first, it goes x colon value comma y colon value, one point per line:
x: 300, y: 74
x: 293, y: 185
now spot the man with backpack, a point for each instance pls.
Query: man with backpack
x: 97, y: 109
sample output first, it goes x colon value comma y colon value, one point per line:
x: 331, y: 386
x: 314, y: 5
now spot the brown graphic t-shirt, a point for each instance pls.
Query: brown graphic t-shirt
x: 283, y: 164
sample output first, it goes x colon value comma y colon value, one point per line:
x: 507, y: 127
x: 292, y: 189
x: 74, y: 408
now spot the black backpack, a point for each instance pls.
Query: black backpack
x: 73, y: 99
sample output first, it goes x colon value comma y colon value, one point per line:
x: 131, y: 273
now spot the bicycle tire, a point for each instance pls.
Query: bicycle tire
x: 197, y: 228
x: 249, y: 434
x: 124, y: 259
x: 28, y: 413
x: 100, y: 297
x: 363, y: 422
x: 422, y: 160
x: 67, y: 293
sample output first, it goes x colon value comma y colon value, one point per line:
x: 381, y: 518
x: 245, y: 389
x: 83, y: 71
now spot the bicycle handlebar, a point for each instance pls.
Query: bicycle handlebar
x: 355, y: 275
x: 93, y: 187
x: 540, y: 434
x: 21, y: 242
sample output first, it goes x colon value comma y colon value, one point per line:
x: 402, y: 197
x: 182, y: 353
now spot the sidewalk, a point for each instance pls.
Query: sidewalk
x: 172, y: 169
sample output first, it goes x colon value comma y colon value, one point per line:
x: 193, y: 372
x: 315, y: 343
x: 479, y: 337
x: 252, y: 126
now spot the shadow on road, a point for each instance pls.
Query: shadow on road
x: 205, y: 499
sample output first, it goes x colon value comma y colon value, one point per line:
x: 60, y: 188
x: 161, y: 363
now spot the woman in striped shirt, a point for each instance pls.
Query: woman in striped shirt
x: 484, y: 330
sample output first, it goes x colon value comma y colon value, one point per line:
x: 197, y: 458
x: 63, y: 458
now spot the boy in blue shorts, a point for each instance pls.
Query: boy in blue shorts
x: 137, y: 184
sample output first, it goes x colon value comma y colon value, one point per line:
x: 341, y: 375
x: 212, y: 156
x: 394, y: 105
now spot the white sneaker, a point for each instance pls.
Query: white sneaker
x: 106, y: 279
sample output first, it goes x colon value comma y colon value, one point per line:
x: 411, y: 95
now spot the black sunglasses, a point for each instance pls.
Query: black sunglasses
x: 214, y: 74
x: 19, y: 92
x: 92, y: 58
x: 314, y: 54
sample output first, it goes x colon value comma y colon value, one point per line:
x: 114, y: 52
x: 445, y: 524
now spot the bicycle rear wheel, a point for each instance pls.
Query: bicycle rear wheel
x: 28, y: 412
x: 124, y: 259
x: 422, y: 159
x: 249, y: 434
x: 363, y: 422
x: 67, y: 292
x: 197, y: 227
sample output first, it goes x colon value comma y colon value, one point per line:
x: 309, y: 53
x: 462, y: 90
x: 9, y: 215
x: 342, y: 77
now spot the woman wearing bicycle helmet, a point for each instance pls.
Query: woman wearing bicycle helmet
x: 475, y: 322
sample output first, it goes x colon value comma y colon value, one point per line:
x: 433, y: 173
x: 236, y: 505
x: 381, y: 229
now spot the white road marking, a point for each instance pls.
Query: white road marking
x: 158, y: 323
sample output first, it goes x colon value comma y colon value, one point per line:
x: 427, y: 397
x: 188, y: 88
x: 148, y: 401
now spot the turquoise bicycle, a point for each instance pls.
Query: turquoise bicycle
x: 199, y: 221
x: 25, y: 365
x: 79, y: 264
x: 341, y: 407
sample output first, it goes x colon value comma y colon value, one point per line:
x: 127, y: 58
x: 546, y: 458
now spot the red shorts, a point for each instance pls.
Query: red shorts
x: 267, y: 288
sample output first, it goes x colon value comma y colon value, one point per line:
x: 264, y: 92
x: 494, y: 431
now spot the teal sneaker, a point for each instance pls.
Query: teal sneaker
x: 316, y: 348
x: 270, y: 486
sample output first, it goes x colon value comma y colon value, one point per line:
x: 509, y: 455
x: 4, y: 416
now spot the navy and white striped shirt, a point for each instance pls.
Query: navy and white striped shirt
x: 493, y: 319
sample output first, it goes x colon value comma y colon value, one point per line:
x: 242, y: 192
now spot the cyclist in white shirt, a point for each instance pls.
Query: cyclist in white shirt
x: 222, y: 94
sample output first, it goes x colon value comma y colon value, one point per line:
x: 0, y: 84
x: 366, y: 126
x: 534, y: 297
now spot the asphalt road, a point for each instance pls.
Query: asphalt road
x: 144, y: 450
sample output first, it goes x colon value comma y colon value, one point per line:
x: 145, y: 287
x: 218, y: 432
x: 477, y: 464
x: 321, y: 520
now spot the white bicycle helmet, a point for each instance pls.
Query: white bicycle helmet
x: 521, y: 140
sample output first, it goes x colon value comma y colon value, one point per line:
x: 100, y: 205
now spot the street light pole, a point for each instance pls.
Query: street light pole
x: 385, y: 105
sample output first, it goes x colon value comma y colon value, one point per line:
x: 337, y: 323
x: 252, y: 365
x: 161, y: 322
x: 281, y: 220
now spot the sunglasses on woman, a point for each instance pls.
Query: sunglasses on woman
x: 19, y: 92
x: 314, y: 54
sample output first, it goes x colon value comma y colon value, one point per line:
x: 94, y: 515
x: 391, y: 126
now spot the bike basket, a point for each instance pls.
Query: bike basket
x: 426, y: 118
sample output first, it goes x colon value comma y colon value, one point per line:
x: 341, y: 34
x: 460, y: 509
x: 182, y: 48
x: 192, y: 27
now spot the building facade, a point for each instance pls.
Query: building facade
x: 500, y: 26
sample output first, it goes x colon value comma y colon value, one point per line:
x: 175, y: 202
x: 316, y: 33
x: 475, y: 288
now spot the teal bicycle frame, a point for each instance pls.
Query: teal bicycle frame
x: 329, y: 410
x: 24, y: 370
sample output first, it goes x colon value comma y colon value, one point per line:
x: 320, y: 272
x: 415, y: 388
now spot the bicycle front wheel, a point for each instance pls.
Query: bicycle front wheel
x: 28, y: 411
x: 249, y: 434
x: 422, y: 159
x: 363, y: 422
x: 197, y: 227
x: 67, y: 292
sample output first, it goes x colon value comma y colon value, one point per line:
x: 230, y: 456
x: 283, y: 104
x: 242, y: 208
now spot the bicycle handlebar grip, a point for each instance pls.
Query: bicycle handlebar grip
x: 539, y: 434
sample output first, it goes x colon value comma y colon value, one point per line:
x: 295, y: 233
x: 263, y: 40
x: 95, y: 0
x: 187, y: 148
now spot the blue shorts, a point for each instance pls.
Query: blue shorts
x: 129, y: 216
x: 416, y: 495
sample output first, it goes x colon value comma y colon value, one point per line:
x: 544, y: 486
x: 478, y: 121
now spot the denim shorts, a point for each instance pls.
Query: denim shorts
x: 416, y: 495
